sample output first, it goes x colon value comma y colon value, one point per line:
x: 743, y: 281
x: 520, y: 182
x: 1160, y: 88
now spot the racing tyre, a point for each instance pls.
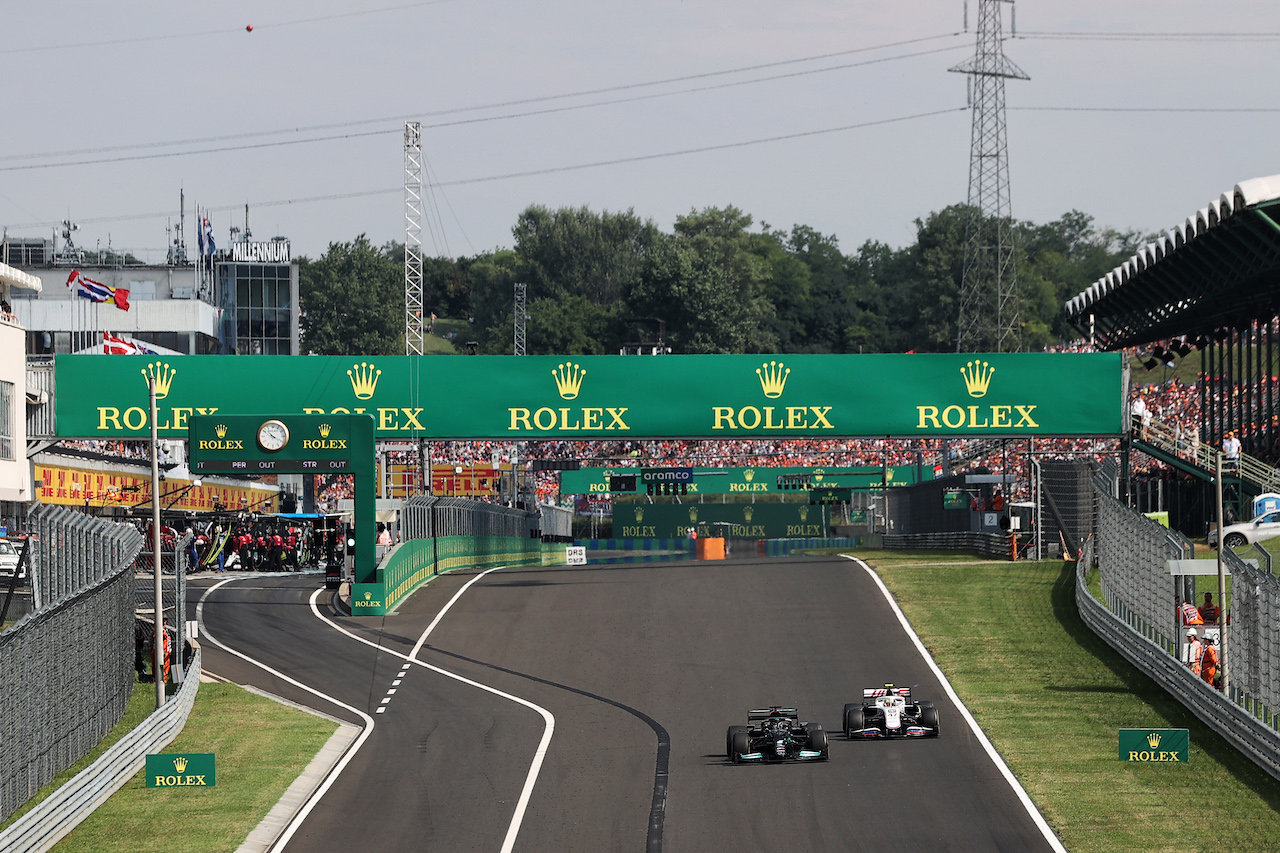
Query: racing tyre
x: 929, y: 717
x: 728, y: 738
x: 1235, y: 540
x: 818, y: 741
x: 854, y: 719
x: 739, y: 745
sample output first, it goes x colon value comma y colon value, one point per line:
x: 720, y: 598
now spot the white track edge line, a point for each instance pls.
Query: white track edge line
x: 531, y: 779
x: 1036, y: 817
x: 337, y: 769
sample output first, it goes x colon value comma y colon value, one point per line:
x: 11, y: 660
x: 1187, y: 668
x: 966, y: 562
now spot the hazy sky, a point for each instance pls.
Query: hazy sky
x: 119, y: 83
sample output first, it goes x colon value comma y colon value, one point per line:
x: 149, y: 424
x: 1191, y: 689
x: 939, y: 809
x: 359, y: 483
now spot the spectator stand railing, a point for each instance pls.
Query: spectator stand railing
x: 69, y: 665
x: 1185, y: 444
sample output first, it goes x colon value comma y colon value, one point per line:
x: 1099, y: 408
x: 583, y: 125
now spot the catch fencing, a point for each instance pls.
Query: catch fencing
x: 429, y: 517
x: 174, y: 564
x: 68, y: 667
x: 1138, y: 618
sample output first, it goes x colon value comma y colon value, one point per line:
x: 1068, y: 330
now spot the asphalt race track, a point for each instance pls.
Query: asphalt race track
x: 642, y: 666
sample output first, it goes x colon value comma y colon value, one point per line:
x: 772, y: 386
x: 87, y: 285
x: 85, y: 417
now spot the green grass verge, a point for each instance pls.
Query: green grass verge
x: 261, y: 747
x: 1051, y: 696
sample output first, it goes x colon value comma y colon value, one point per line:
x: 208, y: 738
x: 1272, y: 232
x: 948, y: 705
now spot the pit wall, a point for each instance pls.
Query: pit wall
x: 413, y: 563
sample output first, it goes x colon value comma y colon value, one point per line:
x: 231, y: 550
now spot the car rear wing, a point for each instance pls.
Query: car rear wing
x: 889, y: 690
x: 767, y: 713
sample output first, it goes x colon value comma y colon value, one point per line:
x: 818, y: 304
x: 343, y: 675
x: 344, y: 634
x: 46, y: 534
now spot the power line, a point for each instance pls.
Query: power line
x: 1120, y: 36
x: 399, y: 119
x: 513, y: 175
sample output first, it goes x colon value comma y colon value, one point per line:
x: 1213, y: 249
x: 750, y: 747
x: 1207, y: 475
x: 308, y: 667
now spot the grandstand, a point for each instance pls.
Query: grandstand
x: 1207, y: 286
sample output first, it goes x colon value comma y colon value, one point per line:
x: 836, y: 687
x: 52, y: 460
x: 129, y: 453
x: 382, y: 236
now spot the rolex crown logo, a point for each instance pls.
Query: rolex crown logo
x: 220, y: 430
x: 693, y: 513
x: 568, y: 379
x: 180, y: 764
x: 364, y: 379
x: 804, y: 514
x: 639, y: 515
x: 749, y: 474
x: 773, y: 378
x: 368, y: 595
x: 324, y: 430
x: 747, y: 512
x: 977, y: 376
x: 1153, y: 739
x: 818, y: 474
x: 163, y: 375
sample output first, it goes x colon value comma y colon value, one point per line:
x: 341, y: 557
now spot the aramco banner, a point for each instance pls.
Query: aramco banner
x: 609, y: 397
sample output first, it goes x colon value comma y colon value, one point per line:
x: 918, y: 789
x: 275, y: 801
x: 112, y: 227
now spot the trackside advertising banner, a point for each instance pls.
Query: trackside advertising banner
x: 610, y: 397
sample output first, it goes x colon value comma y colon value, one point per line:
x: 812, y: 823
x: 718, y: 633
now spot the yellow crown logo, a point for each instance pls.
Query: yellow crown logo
x: 804, y: 514
x: 639, y: 514
x: 977, y: 376
x: 163, y: 375
x: 220, y: 430
x: 749, y: 474
x: 368, y: 595
x: 1153, y: 739
x: 364, y: 379
x: 179, y: 764
x: 568, y: 379
x: 325, y: 430
x: 773, y: 378
x: 693, y: 513
x: 818, y: 474
x: 747, y: 512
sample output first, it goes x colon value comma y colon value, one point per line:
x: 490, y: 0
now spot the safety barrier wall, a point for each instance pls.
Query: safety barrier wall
x: 991, y: 544
x: 50, y: 820
x: 67, y: 668
x: 413, y: 563
x: 786, y: 547
x: 606, y: 551
x: 1236, y: 724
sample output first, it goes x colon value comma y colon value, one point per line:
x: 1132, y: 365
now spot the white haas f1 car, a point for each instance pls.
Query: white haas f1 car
x: 889, y: 712
x: 776, y: 734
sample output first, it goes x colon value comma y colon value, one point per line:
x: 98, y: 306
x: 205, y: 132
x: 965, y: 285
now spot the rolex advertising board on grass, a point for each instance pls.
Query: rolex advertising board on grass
x: 610, y: 397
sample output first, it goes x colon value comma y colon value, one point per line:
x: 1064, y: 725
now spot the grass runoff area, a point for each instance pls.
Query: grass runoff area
x: 261, y: 747
x: 1051, y: 695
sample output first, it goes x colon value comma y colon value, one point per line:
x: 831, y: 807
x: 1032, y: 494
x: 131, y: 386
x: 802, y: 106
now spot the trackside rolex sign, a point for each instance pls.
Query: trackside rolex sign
x: 182, y: 770
x: 610, y: 397
x: 1159, y: 746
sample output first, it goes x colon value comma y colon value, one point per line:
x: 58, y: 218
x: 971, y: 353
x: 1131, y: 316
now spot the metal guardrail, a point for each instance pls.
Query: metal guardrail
x: 45, y: 825
x: 1237, y: 725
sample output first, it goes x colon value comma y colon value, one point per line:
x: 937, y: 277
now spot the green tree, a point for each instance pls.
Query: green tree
x: 707, y: 285
x: 352, y: 301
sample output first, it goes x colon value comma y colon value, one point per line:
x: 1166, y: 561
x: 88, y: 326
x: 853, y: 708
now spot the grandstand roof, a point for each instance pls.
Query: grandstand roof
x: 1220, y: 269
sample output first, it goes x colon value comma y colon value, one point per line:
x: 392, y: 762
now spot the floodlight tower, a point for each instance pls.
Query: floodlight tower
x: 414, y: 333
x: 521, y: 315
x: 989, y: 318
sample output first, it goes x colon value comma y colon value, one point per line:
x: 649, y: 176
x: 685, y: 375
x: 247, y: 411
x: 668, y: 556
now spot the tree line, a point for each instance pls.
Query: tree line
x: 596, y: 281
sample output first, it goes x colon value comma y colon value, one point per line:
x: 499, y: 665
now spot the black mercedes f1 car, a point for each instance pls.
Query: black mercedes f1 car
x: 776, y: 734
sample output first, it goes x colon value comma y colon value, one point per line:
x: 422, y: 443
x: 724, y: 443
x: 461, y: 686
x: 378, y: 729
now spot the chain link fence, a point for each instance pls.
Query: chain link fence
x: 174, y: 565
x: 66, y: 669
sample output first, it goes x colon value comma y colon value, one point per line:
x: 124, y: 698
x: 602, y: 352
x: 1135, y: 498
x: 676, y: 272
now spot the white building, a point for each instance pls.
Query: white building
x: 15, y: 474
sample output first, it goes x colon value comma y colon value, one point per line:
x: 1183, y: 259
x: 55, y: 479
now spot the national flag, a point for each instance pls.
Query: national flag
x: 207, y: 246
x: 96, y: 291
x: 113, y: 345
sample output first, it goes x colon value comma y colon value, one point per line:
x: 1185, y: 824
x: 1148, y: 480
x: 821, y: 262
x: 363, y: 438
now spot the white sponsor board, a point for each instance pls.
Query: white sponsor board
x: 575, y: 555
